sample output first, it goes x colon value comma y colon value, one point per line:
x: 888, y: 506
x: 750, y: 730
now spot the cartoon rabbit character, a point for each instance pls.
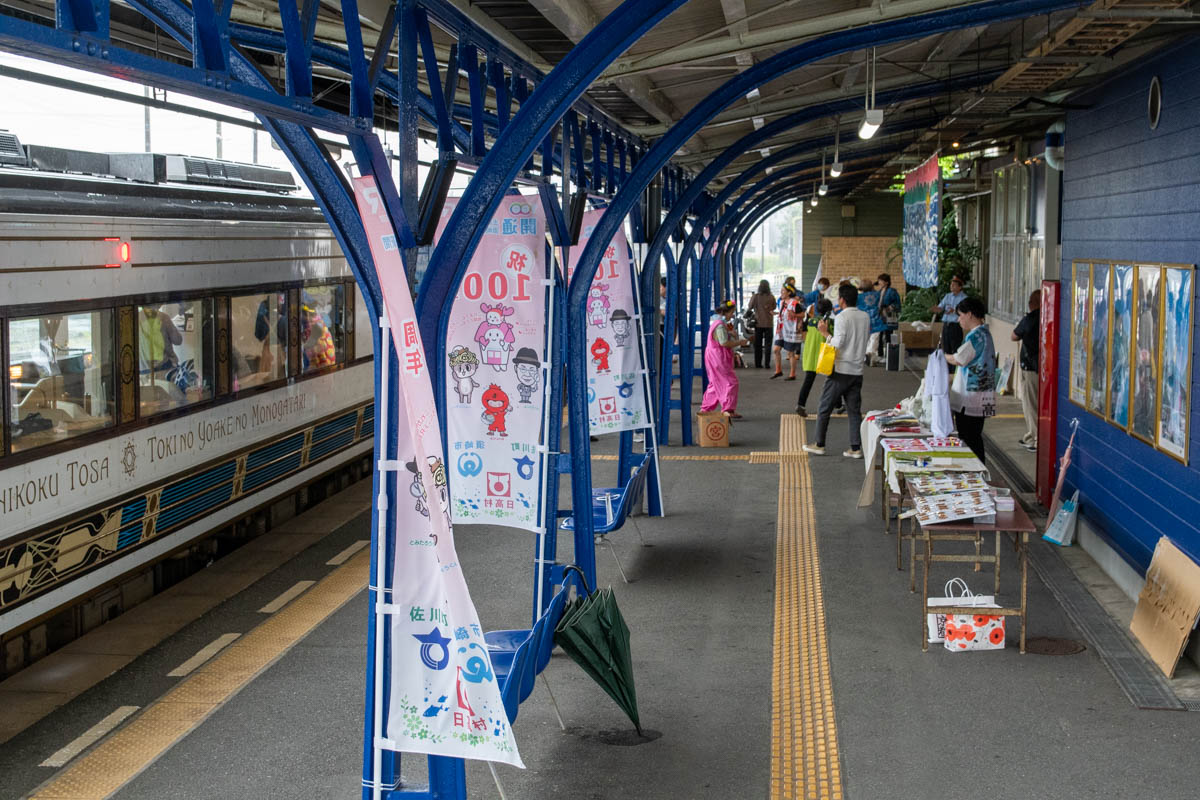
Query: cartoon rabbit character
x: 495, y: 336
x: 600, y: 351
x: 463, y: 365
x: 495, y: 408
x: 597, y: 305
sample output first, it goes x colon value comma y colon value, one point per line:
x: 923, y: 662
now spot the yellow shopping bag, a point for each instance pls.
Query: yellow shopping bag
x: 826, y: 359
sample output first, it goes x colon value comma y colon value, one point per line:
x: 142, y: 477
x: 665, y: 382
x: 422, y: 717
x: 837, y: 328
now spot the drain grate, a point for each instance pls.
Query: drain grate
x: 1050, y: 646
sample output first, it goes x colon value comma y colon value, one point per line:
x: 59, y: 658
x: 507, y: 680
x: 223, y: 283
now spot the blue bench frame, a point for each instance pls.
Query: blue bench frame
x: 612, y: 506
x: 520, y: 655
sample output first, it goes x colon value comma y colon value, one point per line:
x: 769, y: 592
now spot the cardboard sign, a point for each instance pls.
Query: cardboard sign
x: 714, y: 428
x: 1168, y: 605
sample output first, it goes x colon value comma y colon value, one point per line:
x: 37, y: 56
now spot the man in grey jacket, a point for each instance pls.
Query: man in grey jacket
x: 852, y: 329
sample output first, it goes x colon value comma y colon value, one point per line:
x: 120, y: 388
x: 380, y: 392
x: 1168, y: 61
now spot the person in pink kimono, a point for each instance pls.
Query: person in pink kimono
x: 718, y: 362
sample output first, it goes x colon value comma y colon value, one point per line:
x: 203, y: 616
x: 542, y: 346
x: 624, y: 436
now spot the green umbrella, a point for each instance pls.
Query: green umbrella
x: 593, y: 633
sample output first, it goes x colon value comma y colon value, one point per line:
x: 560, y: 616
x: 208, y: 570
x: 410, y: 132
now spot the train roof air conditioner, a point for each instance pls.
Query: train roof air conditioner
x: 210, y: 172
x: 11, y: 151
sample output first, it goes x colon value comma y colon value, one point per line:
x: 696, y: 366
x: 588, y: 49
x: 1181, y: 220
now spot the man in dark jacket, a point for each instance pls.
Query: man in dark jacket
x: 1027, y: 332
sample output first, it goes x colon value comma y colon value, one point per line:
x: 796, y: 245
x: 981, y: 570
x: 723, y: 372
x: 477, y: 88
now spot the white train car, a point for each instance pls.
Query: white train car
x: 184, y: 345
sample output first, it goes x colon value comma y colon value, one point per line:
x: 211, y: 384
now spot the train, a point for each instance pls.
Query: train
x: 188, y: 360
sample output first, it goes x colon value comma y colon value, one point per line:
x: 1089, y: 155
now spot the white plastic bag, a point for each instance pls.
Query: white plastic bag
x: 1061, y: 530
x: 964, y: 597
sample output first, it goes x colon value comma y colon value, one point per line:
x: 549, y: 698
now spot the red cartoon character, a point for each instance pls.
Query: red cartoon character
x: 495, y: 407
x: 600, y: 351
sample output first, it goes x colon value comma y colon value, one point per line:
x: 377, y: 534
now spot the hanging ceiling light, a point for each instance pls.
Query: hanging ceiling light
x: 824, y: 188
x: 813, y: 200
x: 872, y: 116
x: 835, y: 169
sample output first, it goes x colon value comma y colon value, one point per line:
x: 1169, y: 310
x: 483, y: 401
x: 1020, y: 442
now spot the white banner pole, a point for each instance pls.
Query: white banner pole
x: 381, y: 504
x: 641, y: 337
x: 547, y: 461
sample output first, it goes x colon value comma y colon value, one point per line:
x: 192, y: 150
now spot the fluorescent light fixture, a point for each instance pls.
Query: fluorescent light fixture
x: 871, y: 122
x: 872, y: 116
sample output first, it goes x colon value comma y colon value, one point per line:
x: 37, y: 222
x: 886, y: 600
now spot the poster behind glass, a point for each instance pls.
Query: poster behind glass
x: 1176, y: 361
x: 1098, y: 360
x: 1122, y: 329
x: 1147, y: 302
x: 1079, y: 332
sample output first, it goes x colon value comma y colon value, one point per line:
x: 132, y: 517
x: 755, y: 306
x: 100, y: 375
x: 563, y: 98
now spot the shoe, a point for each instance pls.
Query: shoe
x: 734, y: 415
x: 853, y: 453
x: 839, y: 410
x: 801, y: 411
x: 777, y: 375
x: 815, y: 450
x: 1024, y: 440
x: 1030, y: 447
x: 790, y: 378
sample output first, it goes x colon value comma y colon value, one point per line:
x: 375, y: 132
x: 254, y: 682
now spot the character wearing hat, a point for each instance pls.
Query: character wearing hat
x: 528, y: 368
x: 621, y: 326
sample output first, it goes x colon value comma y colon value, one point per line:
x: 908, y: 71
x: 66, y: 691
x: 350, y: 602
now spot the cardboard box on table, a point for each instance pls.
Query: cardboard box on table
x: 914, y: 339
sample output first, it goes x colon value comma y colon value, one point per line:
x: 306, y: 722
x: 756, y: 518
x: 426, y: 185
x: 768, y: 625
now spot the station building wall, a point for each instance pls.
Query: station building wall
x: 1132, y: 194
x: 874, y: 215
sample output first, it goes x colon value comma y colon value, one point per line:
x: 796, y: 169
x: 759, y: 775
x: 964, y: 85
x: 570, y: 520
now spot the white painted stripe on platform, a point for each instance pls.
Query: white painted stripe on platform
x: 89, y: 737
x: 208, y: 651
x: 343, y: 556
x: 285, y: 598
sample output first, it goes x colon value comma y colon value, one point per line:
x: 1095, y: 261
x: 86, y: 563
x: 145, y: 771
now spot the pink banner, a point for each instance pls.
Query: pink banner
x: 616, y: 389
x: 496, y: 375
x: 444, y: 696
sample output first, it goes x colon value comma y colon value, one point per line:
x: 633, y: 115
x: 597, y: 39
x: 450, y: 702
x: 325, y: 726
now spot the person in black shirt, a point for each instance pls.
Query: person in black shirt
x: 1027, y: 332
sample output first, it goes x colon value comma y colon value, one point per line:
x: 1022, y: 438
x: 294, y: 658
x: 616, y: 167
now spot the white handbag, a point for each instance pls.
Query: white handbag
x: 964, y: 597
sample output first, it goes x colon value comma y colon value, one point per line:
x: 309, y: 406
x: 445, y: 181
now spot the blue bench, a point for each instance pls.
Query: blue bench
x: 519, y: 656
x: 612, y: 506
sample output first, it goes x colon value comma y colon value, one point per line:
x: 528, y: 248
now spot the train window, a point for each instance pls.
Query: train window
x: 364, y: 345
x: 174, y: 354
x: 60, y: 377
x: 258, y: 333
x: 322, y: 327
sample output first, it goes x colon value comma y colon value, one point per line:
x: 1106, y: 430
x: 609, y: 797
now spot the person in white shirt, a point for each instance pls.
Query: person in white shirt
x: 850, y: 336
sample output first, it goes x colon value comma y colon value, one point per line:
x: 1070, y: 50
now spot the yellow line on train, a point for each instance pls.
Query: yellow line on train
x: 133, y: 748
x: 805, y: 761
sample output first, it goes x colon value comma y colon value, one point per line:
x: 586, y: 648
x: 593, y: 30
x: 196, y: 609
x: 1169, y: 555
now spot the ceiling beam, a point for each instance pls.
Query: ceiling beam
x: 576, y: 20
x: 773, y: 36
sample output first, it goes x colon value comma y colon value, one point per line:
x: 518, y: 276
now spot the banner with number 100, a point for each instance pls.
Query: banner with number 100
x: 495, y: 381
x: 616, y: 391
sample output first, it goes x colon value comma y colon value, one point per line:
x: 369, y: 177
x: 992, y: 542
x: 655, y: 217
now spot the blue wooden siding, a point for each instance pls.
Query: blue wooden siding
x: 1132, y: 194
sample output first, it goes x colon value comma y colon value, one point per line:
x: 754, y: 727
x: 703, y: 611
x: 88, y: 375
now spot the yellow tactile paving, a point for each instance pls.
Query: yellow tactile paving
x: 120, y: 757
x: 805, y: 762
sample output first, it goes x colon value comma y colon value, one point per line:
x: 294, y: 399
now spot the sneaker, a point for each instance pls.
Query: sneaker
x: 1030, y: 447
x: 853, y: 453
x: 815, y: 450
x: 801, y: 411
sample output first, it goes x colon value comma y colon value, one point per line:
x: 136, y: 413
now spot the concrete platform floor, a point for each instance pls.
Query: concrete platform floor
x: 700, y: 606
